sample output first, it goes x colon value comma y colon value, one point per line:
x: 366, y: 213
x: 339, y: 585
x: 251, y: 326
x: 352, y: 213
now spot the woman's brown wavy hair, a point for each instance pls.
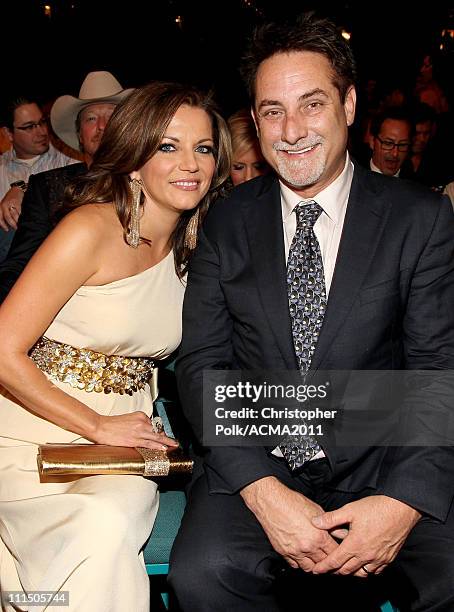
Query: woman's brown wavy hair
x: 132, y: 136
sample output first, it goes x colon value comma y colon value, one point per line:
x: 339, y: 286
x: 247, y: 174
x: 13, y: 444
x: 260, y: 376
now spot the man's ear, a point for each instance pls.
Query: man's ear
x: 254, y: 118
x: 371, y: 142
x: 8, y: 133
x: 350, y: 105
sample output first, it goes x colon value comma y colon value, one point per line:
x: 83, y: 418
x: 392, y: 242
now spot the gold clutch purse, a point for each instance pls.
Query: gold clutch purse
x: 93, y: 459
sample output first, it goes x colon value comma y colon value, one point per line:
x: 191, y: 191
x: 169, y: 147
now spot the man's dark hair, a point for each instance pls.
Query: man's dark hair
x: 398, y: 113
x: 305, y: 33
x: 9, y: 107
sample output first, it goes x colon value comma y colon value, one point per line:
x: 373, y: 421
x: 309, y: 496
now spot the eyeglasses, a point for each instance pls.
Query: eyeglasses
x: 388, y: 145
x: 31, y: 126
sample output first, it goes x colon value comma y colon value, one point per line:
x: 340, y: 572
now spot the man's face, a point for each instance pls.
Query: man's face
x: 93, y: 120
x: 385, y: 154
x: 423, y: 132
x: 301, y: 121
x: 29, y: 135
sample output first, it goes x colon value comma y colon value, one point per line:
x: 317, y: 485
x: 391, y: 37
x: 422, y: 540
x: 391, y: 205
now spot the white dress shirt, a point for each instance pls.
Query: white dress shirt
x: 328, y: 227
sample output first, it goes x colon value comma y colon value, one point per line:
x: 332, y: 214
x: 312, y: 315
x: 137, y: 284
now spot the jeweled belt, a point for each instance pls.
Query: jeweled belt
x: 91, y: 371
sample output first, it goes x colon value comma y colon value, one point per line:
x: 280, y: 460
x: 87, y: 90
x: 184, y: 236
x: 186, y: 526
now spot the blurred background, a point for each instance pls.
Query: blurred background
x: 49, y: 46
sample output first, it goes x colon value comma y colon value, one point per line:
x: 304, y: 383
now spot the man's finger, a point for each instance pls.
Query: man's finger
x: 369, y: 569
x: 330, y: 520
x: 340, y: 534
x: 10, y: 219
x: 329, y: 546
x: 318, y: 555
x: 333, y: 561
x: 306, y: 564
x: 292, y: 562
x: 353, y: 566
x: 15, y: 214
x: 360, y: 574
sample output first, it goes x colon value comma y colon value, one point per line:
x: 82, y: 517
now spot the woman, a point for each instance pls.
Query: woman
x: 109, y: 280
x: 247, y: 159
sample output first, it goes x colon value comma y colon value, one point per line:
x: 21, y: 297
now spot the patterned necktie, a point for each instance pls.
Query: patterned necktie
x: 307, y: 303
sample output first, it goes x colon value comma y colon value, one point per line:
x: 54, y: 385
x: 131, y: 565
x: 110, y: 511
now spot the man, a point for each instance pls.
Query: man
x: 79, y: 123
x: 377, y: 255
x: 390, y: 140
x: 429, y: 162
x: 31, y: 152
x: 425, y: 127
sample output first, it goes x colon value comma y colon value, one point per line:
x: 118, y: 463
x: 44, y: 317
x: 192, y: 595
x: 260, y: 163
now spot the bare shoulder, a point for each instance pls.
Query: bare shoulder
x: 91, y: 225
x: 90, y: 219
x: 70, y: 257
x: 79, y: 241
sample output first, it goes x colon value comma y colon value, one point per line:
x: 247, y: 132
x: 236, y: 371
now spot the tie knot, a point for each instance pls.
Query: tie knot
x: 307, y: 213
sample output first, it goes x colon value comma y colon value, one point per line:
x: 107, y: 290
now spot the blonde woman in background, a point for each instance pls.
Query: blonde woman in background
x: 247, y: 160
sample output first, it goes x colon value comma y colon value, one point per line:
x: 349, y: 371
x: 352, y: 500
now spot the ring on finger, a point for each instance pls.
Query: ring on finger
x: 368, y: 572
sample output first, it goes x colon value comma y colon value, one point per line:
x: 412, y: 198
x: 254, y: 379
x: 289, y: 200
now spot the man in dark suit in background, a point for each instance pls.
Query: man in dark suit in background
x: 368, y: 285
x: 79, y: 123
x: 391, y: 133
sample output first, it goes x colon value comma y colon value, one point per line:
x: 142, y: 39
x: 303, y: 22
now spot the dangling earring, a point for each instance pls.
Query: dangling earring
x: 133, y: 235
x: 190, y: 236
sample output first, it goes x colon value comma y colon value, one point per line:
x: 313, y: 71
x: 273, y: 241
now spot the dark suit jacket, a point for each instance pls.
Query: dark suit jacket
x: 44, y: 194
x: 390, y: 307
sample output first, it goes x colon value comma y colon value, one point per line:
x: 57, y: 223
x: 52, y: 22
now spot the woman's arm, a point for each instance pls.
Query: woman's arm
x: 68, y: 259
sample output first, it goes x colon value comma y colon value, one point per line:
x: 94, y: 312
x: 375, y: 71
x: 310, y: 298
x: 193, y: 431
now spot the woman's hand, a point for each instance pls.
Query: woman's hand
x: 133, y: 429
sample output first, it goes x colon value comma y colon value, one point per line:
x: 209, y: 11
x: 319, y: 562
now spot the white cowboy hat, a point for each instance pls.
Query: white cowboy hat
x: 98, y: 87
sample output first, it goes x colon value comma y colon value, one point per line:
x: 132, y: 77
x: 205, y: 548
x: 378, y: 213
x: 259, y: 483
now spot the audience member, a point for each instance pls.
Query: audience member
x: 390, y: 140
x: 79, y: 122
x: 26, y: 128
x: 247, y: 158
x: 427, y: 88
x: 325, y: 267
x: 105, y: 290
x: 430, y: 161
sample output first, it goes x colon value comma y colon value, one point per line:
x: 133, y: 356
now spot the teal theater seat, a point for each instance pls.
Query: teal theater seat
x: 157, y: 550
x: 388, y: 607
x: 165, y: 529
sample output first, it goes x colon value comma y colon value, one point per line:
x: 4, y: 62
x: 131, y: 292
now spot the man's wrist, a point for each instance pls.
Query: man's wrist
x: 413, y: 514
x: 20, y: 184
x: 254, y: 492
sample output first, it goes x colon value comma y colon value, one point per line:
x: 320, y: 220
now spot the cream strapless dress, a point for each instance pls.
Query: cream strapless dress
x: 85, y: 536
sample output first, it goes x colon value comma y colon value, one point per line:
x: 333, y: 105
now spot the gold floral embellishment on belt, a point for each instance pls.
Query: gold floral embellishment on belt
x: 91, y: 371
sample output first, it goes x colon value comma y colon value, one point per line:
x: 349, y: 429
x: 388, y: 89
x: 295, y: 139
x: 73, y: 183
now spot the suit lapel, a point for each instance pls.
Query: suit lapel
x: 365, y: 219
x: 263, y: 220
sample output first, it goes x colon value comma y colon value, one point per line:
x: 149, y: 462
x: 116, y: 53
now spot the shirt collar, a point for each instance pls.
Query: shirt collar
x: 12, y: 157
x: 374, y: 168
x: 332, y: 199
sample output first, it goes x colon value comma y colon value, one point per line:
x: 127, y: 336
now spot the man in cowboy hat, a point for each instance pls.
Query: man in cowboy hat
x: 79, y: 123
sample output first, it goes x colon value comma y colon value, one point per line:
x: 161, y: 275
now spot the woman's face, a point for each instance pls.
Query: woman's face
x: 248, y: 164
x: 179, y: 175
